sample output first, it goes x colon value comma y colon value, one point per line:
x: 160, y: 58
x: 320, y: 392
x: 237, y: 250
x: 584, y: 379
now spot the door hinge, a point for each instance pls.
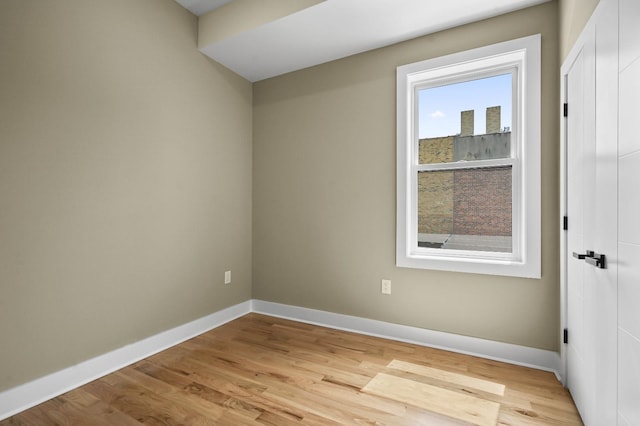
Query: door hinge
x: 565, y: 223
x: 566, y: 110
x: 565, y: 336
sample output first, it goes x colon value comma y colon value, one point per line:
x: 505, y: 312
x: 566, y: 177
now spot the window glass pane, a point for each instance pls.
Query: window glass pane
x: 466, y: 209
x: 465, y: 121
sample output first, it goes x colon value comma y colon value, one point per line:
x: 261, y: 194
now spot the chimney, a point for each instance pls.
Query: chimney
x: 466, y: 123
x: 493, y: 119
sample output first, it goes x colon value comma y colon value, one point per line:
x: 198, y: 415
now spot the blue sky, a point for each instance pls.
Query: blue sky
x: 439, y: 107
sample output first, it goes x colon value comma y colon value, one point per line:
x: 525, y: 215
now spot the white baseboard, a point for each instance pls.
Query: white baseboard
x: 505, y: 352
x: 15, y: 400
x: 25, y: 396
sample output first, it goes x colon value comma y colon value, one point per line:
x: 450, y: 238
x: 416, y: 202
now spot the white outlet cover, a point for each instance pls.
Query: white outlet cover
x: 227, y: 277
x: 386, y: 287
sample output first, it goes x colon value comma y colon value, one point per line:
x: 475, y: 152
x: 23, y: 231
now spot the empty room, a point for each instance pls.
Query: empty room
x: 319, y: 212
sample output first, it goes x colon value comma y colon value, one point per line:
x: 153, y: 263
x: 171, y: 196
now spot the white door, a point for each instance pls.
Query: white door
x: 592, y: 209
x: 580, y: 176
x: 629, y: 214
x: 605, y: 231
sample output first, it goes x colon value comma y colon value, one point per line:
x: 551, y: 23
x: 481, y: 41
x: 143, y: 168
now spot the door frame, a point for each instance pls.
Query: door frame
x: 563, y: 214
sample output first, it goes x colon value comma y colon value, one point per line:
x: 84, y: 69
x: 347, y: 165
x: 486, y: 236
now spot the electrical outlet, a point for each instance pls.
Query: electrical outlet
x: 386, y: 287
x: 227, y: 277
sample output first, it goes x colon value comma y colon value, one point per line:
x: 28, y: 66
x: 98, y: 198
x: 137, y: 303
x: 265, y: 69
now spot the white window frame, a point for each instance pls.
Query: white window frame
x: 522, y: 57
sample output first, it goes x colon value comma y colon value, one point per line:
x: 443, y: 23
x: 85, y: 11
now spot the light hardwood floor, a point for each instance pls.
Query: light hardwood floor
x: 264, y: 370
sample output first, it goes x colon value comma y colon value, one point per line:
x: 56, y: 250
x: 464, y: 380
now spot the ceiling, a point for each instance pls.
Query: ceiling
x: 200, y: 7
x: 333, y: 29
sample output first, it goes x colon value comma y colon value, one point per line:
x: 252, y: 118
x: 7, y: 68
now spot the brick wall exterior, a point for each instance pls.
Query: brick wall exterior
x: 435, y: 202
x: 467, y: 122
x: 464, y: 202
x: 482, y: 201
x: 435, y: 189
x: 493, y: 120
x: 436, y: 150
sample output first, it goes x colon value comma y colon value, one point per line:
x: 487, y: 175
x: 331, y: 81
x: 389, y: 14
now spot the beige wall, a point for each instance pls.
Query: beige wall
x: 324, y: 195
x: 125, y: 179
x: 243, y: 15
x: 574, y: 14
x: 126, y: 185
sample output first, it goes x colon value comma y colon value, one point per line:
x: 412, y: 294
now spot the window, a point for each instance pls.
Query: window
x: 468, y: 161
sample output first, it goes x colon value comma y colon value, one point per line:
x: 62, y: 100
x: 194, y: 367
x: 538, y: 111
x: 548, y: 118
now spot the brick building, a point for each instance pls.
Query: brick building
x: 468, y: 202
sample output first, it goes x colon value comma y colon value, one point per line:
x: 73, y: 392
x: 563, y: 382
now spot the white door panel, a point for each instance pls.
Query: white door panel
x: 629, y: 32
x: 629, y: 215
x: 580, y: 177
x: 605, y: 231
x: 628, y: 187
x: 591, y: 175
x: 629, y: 378
x: 629, y: 289
x: 629, y: 108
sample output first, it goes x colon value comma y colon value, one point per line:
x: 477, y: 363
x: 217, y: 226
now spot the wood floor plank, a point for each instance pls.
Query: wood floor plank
x: 93, y: 410
x: 261, y: 370
x: 459, y: 406
x: 237, y: 387
x: 446, y: 376
x: 146, y: 406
